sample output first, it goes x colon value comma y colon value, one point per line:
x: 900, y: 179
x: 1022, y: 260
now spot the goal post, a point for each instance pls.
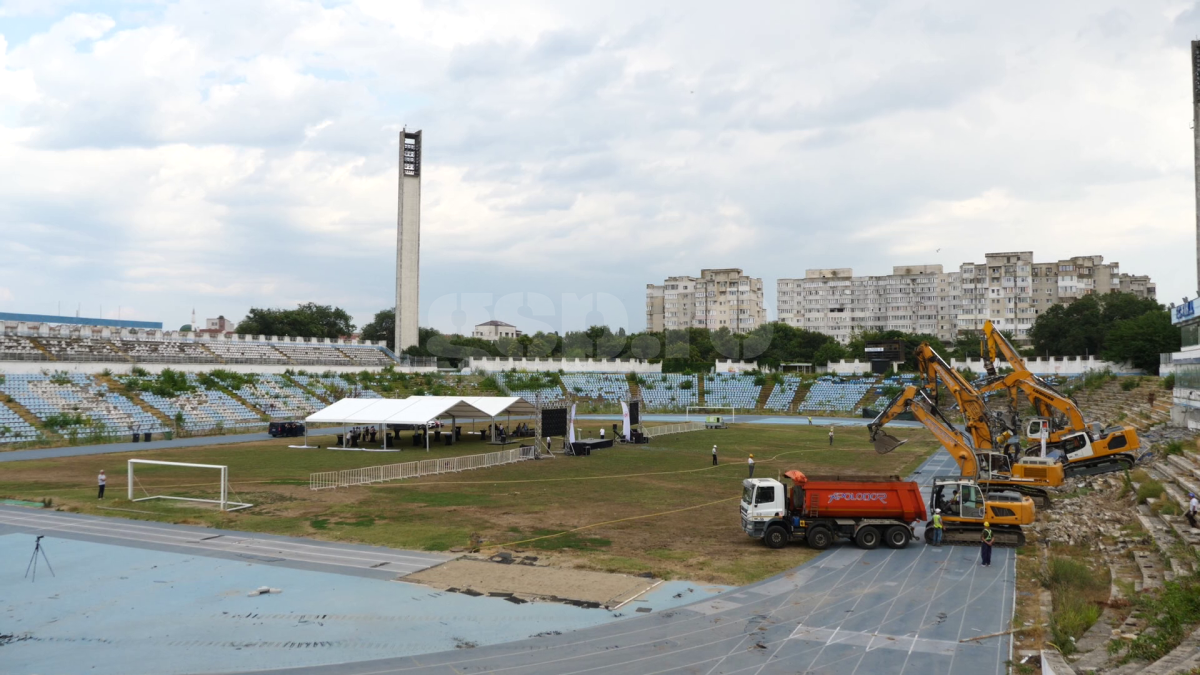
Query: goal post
x: 223, y: 500
x: 703, y: 411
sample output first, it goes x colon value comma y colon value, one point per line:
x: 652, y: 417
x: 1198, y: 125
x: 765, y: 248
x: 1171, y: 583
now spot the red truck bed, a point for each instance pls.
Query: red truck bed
x: 862, y: 498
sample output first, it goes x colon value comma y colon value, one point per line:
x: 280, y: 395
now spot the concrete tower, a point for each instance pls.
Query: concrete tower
x: 1196, y: 139
x: 408, y: 241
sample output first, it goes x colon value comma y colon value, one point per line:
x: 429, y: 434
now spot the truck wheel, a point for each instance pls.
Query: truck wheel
x: 776, y: 537
x: 867, y: 537
x: 896, y: 536
x: 819, y: 538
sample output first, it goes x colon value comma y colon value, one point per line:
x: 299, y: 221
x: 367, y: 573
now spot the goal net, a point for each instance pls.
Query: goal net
x: 155, y: 483
x: 704, y: 411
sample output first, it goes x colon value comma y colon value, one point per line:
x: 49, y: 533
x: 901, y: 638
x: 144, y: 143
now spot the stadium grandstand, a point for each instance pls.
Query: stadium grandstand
x: 836, y: 395
x: 601, y: 386
x: 783, y: 393
x: 512, y: 384
x: 203, y: 408
x: 77, y: 404
x: 731, y: 389
x: 668, y: 391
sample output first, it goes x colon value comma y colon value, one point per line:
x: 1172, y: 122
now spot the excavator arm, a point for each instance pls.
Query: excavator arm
x: 995, y: 344
x: 934, y: 369
x: 916, y: 400
x: 1046, y: 401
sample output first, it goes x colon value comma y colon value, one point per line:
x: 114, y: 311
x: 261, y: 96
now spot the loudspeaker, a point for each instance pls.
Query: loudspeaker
x: 554, y: 422
x: 634, y: 418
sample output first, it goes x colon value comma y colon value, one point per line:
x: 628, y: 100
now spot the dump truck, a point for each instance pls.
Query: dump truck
x: 864, y: 509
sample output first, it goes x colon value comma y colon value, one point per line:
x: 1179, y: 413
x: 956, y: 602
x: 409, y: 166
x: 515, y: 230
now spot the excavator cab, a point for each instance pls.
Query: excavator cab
x: 965, y: 507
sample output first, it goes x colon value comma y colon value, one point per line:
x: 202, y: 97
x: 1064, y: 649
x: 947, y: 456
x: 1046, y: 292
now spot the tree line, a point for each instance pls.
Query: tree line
x: 1117, y: 327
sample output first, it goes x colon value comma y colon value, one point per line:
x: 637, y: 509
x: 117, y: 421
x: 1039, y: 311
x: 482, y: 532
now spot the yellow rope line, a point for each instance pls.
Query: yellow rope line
x: 619, y: 520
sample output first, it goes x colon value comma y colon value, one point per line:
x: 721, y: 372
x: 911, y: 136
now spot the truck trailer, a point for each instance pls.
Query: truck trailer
x: 817, y: 510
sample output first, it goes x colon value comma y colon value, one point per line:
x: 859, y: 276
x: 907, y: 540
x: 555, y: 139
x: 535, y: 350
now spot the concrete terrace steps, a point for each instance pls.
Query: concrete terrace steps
x: 42, y: 348
x: 801, y: 392
x: 635, y: 389
x: 764, y: 394
x: 1112, y: 405
x: 1182, y: 659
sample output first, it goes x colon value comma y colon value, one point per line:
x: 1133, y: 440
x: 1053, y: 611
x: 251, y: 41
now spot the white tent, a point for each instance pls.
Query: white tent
x: 418, y: 410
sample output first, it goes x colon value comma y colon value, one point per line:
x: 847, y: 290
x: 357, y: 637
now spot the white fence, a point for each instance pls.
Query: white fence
x: 426, y: 467
x: 654, y: 432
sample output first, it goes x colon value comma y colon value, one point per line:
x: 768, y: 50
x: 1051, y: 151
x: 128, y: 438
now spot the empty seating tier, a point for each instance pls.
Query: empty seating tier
x: 783, y: 393
x: 244, y: 352
x: 669, y: 390
x: 830, y: 394
x: 367, y: 356
x: 279, y: 398
x: 13, y: 429
x: 76, y: 405
x: 204, y: 409
x: 15, y: 348
x: 605, y: 386
x: 165, y: 352
x: 731, y: 389
x: 314, y: 354
x: 71, y: 349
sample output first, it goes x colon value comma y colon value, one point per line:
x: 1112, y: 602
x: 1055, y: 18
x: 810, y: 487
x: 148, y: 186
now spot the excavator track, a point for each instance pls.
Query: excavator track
x: 969, y: 535
x: 1041, y: 497
x: 1098, y: 465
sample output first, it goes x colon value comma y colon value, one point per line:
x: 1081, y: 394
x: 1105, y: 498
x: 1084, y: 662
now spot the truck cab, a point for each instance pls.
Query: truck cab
x: 764, y: 500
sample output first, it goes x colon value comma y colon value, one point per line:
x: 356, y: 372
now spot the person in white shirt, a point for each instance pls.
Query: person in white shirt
x: 601, y: 433
x: 100, y: 481
x: 750, y: 461
x: 714, y: 455
x: 1193, y: 509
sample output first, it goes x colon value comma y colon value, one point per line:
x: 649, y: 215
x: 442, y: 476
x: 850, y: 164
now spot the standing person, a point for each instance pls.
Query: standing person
x: 601, y: 433
x: 714, y: 455
x: 810, y: 420
x: 985, y: 545
x: 100, y: 482
x: 937, y: 527
x: 831, y: 435
x: 1193, y: 509
x: 750, y: 462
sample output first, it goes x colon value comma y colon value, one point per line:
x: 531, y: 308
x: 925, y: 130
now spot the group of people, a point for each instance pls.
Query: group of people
x: 361, y: 435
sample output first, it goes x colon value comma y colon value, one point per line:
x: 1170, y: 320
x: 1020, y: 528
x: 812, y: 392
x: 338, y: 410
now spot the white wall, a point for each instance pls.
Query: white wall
x: 1064, y: 365
x: 499, y: 363
x: 93, y: 368
x: 731, y: 366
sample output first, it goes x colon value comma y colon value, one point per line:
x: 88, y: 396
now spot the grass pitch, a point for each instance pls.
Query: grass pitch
x: 661, y: 508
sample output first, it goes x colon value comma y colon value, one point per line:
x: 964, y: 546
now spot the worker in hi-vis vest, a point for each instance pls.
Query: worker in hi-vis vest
x: 985, y: 545
x: 937, y: 527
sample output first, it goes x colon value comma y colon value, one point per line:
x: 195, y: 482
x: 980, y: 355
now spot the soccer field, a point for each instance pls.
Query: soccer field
x: 659, y: 508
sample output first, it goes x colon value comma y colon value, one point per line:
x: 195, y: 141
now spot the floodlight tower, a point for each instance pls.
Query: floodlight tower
x: 408, y: 241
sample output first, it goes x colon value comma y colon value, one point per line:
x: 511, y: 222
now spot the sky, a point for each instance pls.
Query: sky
x: 158, y: 157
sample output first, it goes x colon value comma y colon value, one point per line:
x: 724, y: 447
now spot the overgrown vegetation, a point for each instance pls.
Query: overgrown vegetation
x: 1130, y: 383
x: 1169, y: 615
x: 1076, y: 590
x: 216, y: 379
x: 1168, y: 382
x: 168, y: 384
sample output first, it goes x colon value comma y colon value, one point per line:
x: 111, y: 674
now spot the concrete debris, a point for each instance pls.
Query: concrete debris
x: 263, y: 590
x: 1094, y: 512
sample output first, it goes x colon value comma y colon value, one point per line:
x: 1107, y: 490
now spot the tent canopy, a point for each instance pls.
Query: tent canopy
x: 419, y: 409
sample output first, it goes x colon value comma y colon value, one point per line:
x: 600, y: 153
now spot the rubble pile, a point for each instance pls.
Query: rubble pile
x: 1094, y: 509
x: 1165, y: 434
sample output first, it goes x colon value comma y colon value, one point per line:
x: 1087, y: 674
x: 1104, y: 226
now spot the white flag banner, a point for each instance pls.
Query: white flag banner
x: 571, y: 425
x: 625, y: 420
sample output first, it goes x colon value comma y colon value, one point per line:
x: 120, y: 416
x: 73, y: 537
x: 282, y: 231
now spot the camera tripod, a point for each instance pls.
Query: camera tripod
x: 37, y: 548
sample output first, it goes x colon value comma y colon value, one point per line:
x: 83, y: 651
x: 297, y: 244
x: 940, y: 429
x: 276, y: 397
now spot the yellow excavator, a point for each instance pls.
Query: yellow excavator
x: 966, y: 501
x: 1028, y: 475
x: 1087, y: 448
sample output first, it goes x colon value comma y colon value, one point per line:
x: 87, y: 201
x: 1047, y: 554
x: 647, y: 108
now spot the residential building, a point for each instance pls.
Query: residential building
x: 494, y: 330
x: 718, y: 298
x: 1008, y: 288
x: 913, y: 299
x: 654, y: 308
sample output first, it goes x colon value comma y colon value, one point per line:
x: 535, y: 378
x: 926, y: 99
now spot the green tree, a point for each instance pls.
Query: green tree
x: 382, y: 327
x: 1140, y: 340
x: 307, y: 320
x: 830, y: 351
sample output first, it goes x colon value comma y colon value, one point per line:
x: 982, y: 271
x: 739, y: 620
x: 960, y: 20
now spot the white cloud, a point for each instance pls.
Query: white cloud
x: 181, y: 158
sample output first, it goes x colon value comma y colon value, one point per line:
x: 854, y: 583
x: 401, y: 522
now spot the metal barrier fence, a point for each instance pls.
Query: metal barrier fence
x: 674, y: 429
x: 426, y: 467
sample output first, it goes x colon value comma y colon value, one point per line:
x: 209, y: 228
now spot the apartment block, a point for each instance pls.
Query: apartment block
x: 1008, y: 288
x: 718, y: 298
x: 913, y: 298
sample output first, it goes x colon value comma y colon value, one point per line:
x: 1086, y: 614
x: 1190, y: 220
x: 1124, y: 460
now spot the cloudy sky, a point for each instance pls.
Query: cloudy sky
x: 222, y: 155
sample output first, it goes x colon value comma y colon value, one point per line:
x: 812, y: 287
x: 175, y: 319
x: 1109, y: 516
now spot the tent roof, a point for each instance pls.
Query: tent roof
x: 418, y: 409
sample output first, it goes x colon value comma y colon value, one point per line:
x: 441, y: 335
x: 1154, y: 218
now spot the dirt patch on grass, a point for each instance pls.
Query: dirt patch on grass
x: 534, y: 581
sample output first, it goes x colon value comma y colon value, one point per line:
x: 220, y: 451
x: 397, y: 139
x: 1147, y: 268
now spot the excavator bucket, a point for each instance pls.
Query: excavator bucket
x: 885, y: 443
